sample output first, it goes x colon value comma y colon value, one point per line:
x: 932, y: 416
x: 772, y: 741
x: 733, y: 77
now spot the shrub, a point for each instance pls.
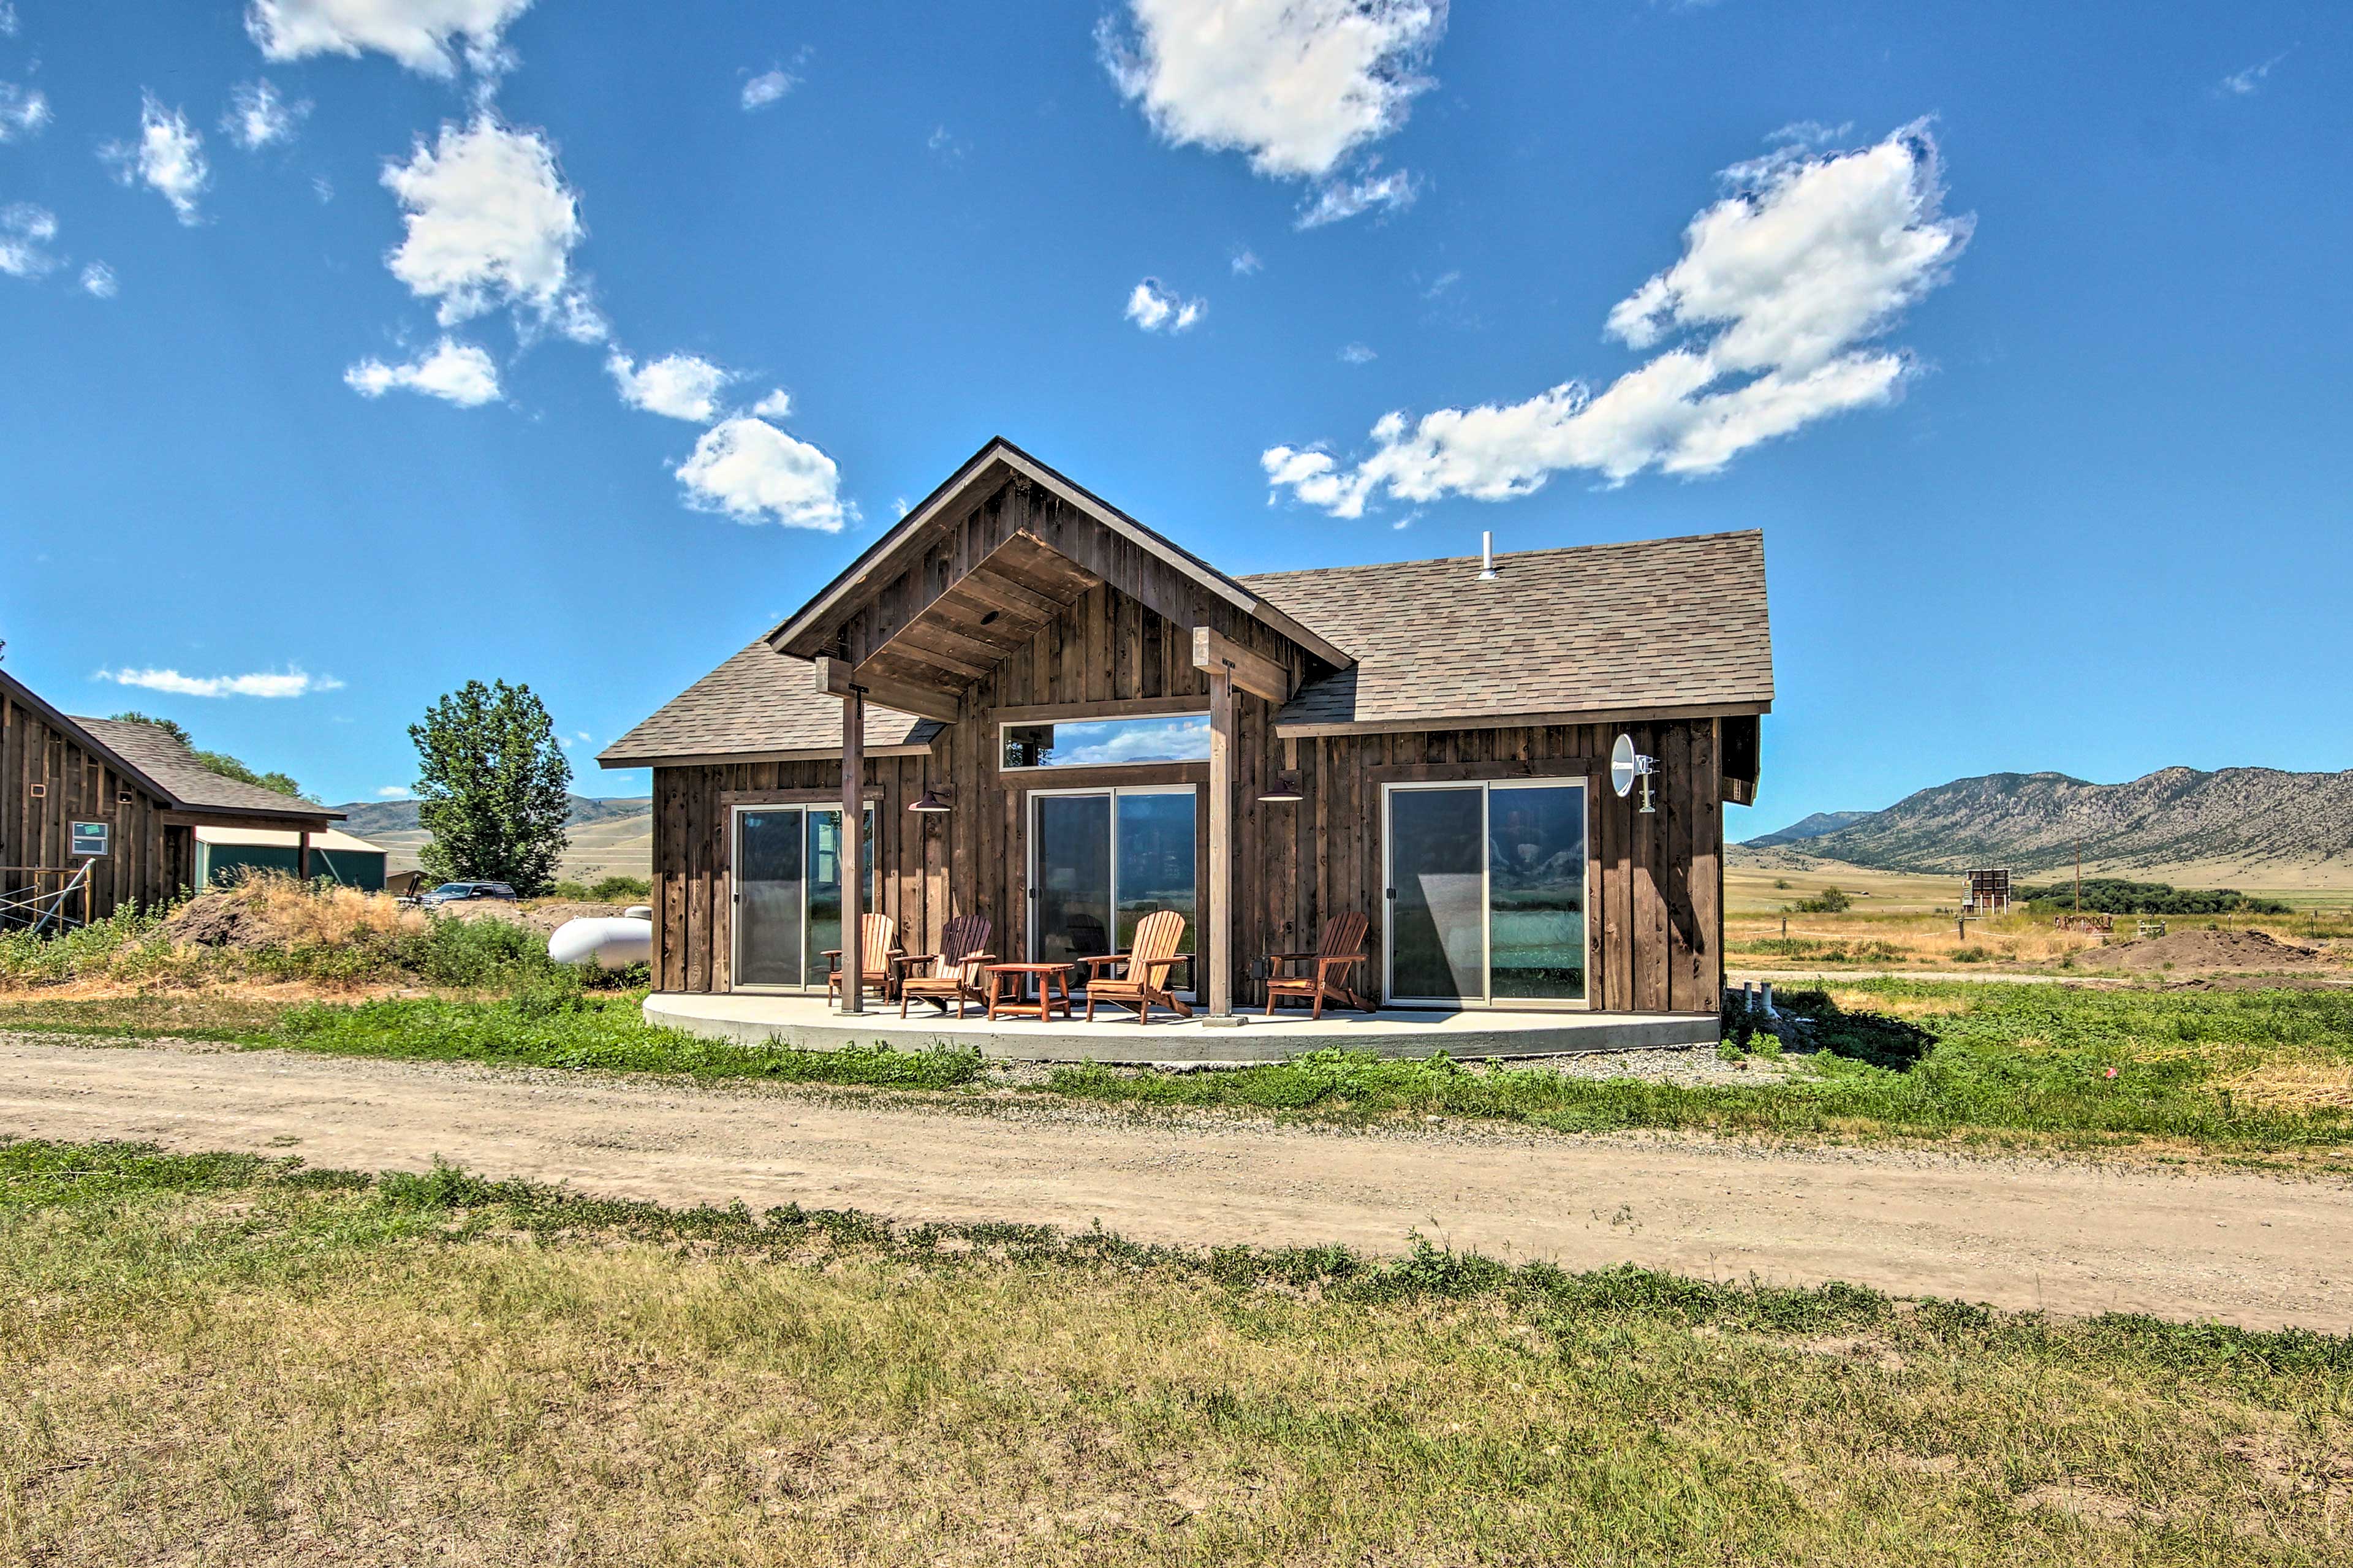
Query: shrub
x: 1829, y: 902
x: 618, y: 889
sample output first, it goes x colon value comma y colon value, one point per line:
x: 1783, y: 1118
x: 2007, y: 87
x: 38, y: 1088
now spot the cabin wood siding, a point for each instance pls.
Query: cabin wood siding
x: 1655, y: 897
x: 147, y: 862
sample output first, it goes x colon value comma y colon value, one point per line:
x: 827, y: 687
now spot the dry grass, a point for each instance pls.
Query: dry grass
x: 249, y: 1372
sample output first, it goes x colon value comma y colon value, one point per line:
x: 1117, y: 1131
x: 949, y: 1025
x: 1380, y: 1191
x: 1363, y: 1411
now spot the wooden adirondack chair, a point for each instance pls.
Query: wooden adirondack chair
x: 1343, y: 950
x: 878, y: 956
x: 951, y: 975
x: 1147, y: 964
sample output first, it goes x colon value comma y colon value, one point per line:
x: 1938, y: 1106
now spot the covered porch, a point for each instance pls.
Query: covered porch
x: 810, y: 1023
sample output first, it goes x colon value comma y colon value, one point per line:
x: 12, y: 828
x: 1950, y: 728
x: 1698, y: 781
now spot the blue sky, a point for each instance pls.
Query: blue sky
x: 2021, y: 330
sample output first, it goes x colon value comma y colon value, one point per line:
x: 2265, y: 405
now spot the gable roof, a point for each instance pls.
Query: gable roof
x: 760, y: 704
x: 167, y: 769
x: 173, y: 770
x: 1655, y: 627
x: 1001, y: 457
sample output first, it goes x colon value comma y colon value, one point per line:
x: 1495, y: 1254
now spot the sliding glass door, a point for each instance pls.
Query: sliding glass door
x: 1102, y: 859
x: 1487, y: 894
x: 787, y: 894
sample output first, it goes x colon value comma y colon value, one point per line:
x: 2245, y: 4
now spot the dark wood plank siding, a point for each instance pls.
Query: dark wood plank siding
x: 141, y: 870
x: 1655, y: 894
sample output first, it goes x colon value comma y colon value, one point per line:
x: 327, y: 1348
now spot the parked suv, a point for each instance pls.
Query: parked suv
x: 461, y: 892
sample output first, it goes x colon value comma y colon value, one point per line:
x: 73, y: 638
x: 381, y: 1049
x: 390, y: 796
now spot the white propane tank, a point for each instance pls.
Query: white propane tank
x: 613, y: 942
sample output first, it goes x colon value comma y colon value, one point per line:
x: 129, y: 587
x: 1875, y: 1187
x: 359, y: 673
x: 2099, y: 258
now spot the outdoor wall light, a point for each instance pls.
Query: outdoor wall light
x: 1284, y: 788
x: 931, y: 800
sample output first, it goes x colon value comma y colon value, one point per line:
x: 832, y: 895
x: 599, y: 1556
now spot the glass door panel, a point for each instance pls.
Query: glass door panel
x: 1438, y: 916
x: 1153, y: 861
x: 768, y: 916
x: 1071, y: 889
x: 823, y: 922
x: 1535, y: 893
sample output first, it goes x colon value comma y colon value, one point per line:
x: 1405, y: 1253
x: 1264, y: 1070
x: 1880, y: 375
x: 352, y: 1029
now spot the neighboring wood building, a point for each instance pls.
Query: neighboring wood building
x: 147, y: 787
x: 1114, y: 725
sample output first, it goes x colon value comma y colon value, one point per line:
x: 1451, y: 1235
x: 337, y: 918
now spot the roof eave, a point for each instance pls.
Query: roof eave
x: 1656, y: 713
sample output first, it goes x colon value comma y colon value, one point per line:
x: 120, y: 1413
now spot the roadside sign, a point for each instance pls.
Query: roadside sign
x: 90, y: 838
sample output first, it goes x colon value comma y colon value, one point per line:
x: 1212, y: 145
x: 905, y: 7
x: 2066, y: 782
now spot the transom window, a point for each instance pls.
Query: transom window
x: 1108, y: 743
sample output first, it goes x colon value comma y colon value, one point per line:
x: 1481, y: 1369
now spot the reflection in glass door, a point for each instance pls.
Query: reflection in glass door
x: 1101, y: 860
x: 1487, y: 893
x: 787, y: 904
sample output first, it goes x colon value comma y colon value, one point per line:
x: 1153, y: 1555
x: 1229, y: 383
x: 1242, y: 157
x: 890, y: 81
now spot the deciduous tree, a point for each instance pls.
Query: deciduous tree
x: 494, y: 787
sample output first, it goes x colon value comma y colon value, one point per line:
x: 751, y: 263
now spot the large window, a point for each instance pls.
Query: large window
x: 1487, y: 893
x: 1108, y: 743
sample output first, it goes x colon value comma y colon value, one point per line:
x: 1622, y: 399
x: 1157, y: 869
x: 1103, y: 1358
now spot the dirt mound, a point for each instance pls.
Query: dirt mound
x: 217, y: 919
x: 277, y: 912
x: 2241, y: 951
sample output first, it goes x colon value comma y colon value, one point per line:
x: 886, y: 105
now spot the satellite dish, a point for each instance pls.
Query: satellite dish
x: 1623, y: 768
x: 1626, y: 765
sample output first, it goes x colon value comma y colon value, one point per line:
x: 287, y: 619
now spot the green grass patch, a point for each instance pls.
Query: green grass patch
x: 221, y: 1358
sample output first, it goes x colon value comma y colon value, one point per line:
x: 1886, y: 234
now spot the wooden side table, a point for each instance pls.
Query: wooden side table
x: 1049, y: 978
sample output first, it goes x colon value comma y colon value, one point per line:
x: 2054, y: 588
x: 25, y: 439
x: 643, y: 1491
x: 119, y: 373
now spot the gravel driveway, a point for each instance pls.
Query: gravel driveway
x: 2072, y: 1236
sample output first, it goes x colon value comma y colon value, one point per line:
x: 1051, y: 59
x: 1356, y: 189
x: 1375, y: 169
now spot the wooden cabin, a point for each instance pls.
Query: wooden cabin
x: 1061, y: 719
x: 146, y: 788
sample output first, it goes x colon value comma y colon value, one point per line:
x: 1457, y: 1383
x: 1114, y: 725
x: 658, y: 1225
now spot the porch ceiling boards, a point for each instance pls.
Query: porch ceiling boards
x: 991, y: 613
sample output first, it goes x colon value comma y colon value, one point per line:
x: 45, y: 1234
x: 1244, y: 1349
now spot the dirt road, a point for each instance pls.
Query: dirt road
x: 2071, y: 1237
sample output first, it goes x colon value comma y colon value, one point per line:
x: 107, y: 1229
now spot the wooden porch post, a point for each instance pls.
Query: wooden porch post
x: 1219, y: 932
x: 853, y: 850
x: 303, y: 855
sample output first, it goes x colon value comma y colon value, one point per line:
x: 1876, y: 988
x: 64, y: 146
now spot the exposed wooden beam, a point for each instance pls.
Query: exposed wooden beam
x: 1219, y: 930
x: 836, y: 678
x: 853, y: 853
x: 1253, y: 672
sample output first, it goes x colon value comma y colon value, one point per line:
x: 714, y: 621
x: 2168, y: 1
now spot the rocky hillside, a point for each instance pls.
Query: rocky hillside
x: 1813, y: 826
x: 2254, y: 823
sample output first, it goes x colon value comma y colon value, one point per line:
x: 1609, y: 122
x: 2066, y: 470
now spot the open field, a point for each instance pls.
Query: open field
x: 224, y: 1359
x: 1903, y: 921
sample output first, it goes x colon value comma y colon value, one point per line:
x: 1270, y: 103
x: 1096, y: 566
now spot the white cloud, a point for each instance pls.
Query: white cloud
x: 419, y: 33
x: 323, y: 188
x: 490, y: 223
x: 258, y: 115
x: 682, y: 386
x: 1155, y: 308
x: 1343, y: 199
x: 23, y: 111
x: 1780, y: 287
x: 946, y: 146
x: 98, y: 282
x: 1357, y: 354
x: 1297, y: 84
x: 777, y: 405
x: 396, y: 791
x: 1246, y: 261
x: 26, y: 232
x: 7, y: 20
x: 168, y: 158
x: 768, y: 87
x: 2248, y: 83
x: 293, y: 683
x: 753, y: 472
x: 451, y: 370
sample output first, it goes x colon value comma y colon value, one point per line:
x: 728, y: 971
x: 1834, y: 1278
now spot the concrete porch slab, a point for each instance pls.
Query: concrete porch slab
x: 810, y: 1023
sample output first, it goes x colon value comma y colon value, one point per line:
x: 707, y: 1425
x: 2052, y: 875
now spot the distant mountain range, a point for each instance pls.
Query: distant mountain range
x: 366, y: 819
x: 2248, y: 823
x: 1813, y: 826
x: 608, y: 836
